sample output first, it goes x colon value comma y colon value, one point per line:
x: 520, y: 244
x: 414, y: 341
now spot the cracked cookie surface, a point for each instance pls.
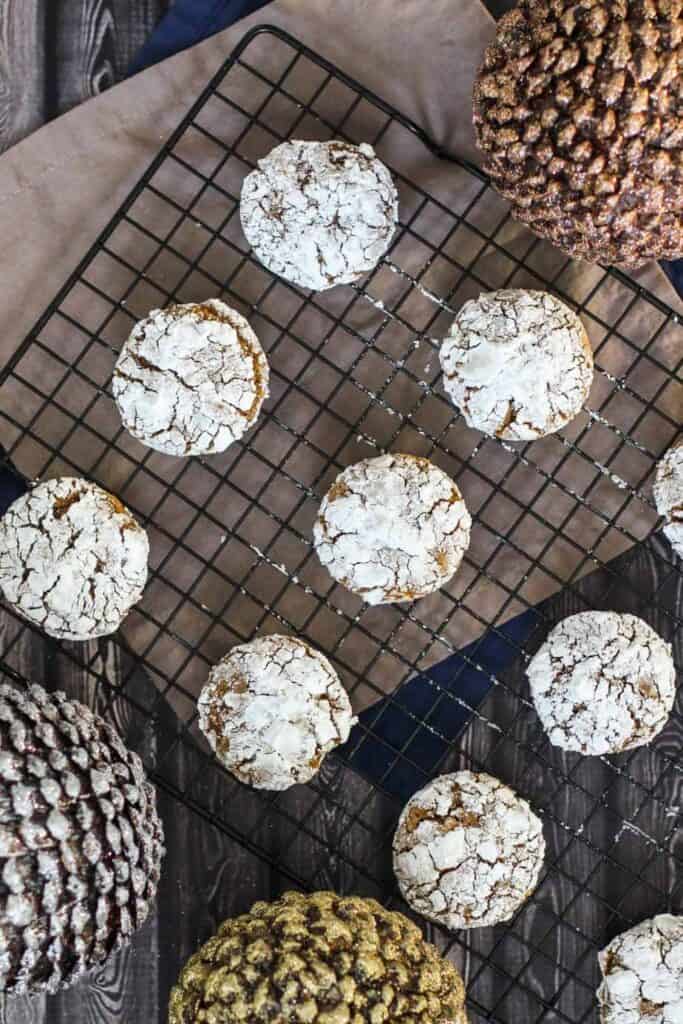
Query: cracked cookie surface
x: 73, y: 559
x: 392, y: 528
x: 643, y: 974
x: 272, y: 709
x: 467, y: 851
x: 602, y: 682
x: 318, y: 959
x: 191, y: 378
x: 517, y: 363
x: 319, y: 213
x: 668, y: 495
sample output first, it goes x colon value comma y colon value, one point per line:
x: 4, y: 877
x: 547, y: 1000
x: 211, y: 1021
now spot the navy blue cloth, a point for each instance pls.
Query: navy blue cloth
x: 400, y: 741
x: 675, y: 272
x: 187, y: 23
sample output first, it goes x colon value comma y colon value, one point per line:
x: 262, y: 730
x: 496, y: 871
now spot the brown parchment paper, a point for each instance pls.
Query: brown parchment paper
x: 340, y: 392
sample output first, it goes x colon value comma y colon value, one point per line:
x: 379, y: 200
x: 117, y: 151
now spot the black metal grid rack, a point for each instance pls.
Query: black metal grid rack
x: 354, y: 370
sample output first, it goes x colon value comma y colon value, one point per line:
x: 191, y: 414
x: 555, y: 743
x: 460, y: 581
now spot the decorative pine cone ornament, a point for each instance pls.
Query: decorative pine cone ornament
x: 80, y: 840
x: 578, y: 109
x: 318, y: 959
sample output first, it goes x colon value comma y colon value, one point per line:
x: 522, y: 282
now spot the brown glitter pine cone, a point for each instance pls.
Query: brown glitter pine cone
x: 80, y: 841
x: 578, y: 109
x: 318, y: 959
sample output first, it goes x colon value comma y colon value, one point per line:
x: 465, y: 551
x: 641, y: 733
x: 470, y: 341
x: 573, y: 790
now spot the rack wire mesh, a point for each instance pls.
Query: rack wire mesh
x: 353, y: 371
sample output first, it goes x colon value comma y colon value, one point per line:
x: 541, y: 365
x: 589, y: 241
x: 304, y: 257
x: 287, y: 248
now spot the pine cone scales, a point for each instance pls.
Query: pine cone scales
x: 80, y: 840
x: 318, y: 958
x: 578, y: 109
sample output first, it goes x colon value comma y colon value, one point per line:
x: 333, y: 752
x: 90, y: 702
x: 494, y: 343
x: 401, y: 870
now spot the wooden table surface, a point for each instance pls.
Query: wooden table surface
x: 53, y: 55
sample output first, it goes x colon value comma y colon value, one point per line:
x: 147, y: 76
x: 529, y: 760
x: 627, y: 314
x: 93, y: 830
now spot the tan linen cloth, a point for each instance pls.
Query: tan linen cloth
x: 62, y: 185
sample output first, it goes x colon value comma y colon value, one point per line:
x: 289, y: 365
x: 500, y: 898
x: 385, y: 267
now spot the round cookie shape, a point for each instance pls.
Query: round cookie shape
x: 668, y: 495
x: 73, y: 559
x: 318, y: 958
x: 272, y: 709
x: 602, y: 682
x: 467, y: 851
x: 643, y: 974
x: 577, y: 113
x: 518, y: 364
x: 319, y: 213
x: 190, y: 379
x: 392, y: 528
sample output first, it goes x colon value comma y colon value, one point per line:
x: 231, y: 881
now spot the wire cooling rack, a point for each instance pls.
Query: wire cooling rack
x: 354, y: 371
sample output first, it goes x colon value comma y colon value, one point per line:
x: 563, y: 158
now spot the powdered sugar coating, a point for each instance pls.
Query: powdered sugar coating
x: 319, y: 213
x: 72, y: 558
x: 668, y: 495
x: 467, y: 851
x: 517, y: 363
x: 643, y: 974
x: 272, y: 709
x: 602, y: 682
x: 393, y: 528
x: 191, y: 378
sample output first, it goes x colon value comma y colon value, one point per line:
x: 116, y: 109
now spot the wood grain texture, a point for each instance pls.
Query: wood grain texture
x: 55, y: 54
x: 22, y: 69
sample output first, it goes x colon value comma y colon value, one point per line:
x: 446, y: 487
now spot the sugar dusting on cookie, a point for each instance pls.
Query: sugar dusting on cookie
x: 518, y: 364
x: 319, y: 213
x: 392, y: 528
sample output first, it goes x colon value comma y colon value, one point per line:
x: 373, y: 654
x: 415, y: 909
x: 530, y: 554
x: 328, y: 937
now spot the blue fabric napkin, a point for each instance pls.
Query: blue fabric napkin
x: 187, y: 23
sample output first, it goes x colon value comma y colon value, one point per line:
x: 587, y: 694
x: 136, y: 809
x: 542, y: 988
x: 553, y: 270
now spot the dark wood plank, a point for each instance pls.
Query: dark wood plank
x: 95, y: 42
x: 22, y: 69
x: 56, y: 53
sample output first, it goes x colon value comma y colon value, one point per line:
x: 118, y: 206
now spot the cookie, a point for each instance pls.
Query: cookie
x: 73, y: 559
x: 393, y: 528
x: 190, y: 379
x: 467, y: 851
x: 319, y: 213
x: 602, y: 682
x: 668, y: 495
x: 272, y: 709
x: 643, y: 974
x: 518, y: 364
